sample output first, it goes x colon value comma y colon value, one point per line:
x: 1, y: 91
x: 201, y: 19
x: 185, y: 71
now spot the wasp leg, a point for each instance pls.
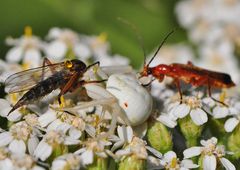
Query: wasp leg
x: 179, y: 89
x: 210, y: 95
x: 46, y: 61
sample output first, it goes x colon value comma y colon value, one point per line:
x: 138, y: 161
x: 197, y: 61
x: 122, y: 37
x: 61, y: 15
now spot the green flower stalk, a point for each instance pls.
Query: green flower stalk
x: 98, y: 164
x: 159, y: 137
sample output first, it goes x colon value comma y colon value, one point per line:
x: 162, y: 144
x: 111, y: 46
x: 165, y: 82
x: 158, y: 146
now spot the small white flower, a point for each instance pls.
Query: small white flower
x: 16, y: 115
x: 191, y: 105
x: 211, y: 153
x: 66, y: 42
x: 125, y: 135
x: 136, y: 147
x: 171, y: 162
x: 52, y: 140
x: 93, y: 147
x: 19, y: 162
x: 19, y: 135
x: 72, y: 161
x: 234, y: 120
x: 27, y: 48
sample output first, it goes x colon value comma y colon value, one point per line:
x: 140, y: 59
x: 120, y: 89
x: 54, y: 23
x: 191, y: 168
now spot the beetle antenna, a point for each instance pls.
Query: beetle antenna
x: 164, y: 40
x: 138, y: 35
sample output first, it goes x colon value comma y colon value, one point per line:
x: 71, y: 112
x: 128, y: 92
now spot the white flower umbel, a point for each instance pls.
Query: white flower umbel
x: 65, y: 42
x: 27, y: 48
x: 171, y: 162
x: 191, y: 105
x: 19, y: 135
x: 68, y: 161
x: 134, y: 99
x: 211, y: 152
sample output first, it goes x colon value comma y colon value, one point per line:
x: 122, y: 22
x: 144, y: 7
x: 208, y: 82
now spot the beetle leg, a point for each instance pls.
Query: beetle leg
x: 179, y: 89
x: 210, y: 95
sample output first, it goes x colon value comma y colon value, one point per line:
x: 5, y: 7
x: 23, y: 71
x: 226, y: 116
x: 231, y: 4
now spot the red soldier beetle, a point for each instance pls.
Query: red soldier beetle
x: 187, y: 73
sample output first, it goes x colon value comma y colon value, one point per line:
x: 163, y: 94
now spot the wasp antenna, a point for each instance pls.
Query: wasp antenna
x: 164, y: 40
x: 136, y: 31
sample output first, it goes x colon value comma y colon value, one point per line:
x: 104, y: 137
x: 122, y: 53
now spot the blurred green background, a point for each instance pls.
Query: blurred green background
x: 153, y: 18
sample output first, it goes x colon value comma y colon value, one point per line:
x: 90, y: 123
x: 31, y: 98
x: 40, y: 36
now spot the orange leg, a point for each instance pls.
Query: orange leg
x: 68, y: 86
x: 179, y: 88
x: 210, y: 94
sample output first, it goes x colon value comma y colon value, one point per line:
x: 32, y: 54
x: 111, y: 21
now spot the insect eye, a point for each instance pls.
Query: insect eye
x: 68, y: 64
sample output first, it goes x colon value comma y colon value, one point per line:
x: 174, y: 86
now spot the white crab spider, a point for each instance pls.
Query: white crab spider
x: 124, y: 97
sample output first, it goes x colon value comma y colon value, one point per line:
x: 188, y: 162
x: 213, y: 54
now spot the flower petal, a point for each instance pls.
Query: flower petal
x: 198, y: 116
x: 230, y: 124
x: 169, y: 156
x: 188, y: 164
x: 209, y: 162
x: 5, y: 138
x: 43, y: 151
x: 17, y: 146
x: 32, y: 57
x: 87, y: 157
x: 220, y: 112
x: 14, y: 55
x: 181, y: 110
x: 32, y: 144
x: 166, y: 120
x: 82, y: 51
x: 14, y: 116
x: 47, y: 118
x: 191, y: 152
x: 56, y: 50
x: 227, y: 164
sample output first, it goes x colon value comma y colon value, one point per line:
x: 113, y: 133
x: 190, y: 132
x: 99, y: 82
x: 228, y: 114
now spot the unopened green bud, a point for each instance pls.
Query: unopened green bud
x: 190, y: 131
x: 98, y: 164
x: 159, y: 137
x: 234, y: 143
x: 132, y: 162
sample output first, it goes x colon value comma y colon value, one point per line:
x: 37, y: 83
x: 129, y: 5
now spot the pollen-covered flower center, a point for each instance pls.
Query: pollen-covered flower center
x: 54, y: 138
x: 72, y: 162
x: 209, y: 149
x: 193, y: 102
x: 173, y: 164
x: 20, y: 131
x: 31, y: 119
x: 138, y: 148
x: 3, y: 153
x: 25, y: 161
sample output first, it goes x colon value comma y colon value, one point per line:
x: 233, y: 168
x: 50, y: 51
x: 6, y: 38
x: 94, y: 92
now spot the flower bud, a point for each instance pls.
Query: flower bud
x: 190, y: 130
x: 132, y: 162
x: 159, y: 137
x: 234, y: 143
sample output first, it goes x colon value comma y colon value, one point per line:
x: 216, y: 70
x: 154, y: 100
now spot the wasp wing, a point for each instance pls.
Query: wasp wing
x: 25, y: 80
